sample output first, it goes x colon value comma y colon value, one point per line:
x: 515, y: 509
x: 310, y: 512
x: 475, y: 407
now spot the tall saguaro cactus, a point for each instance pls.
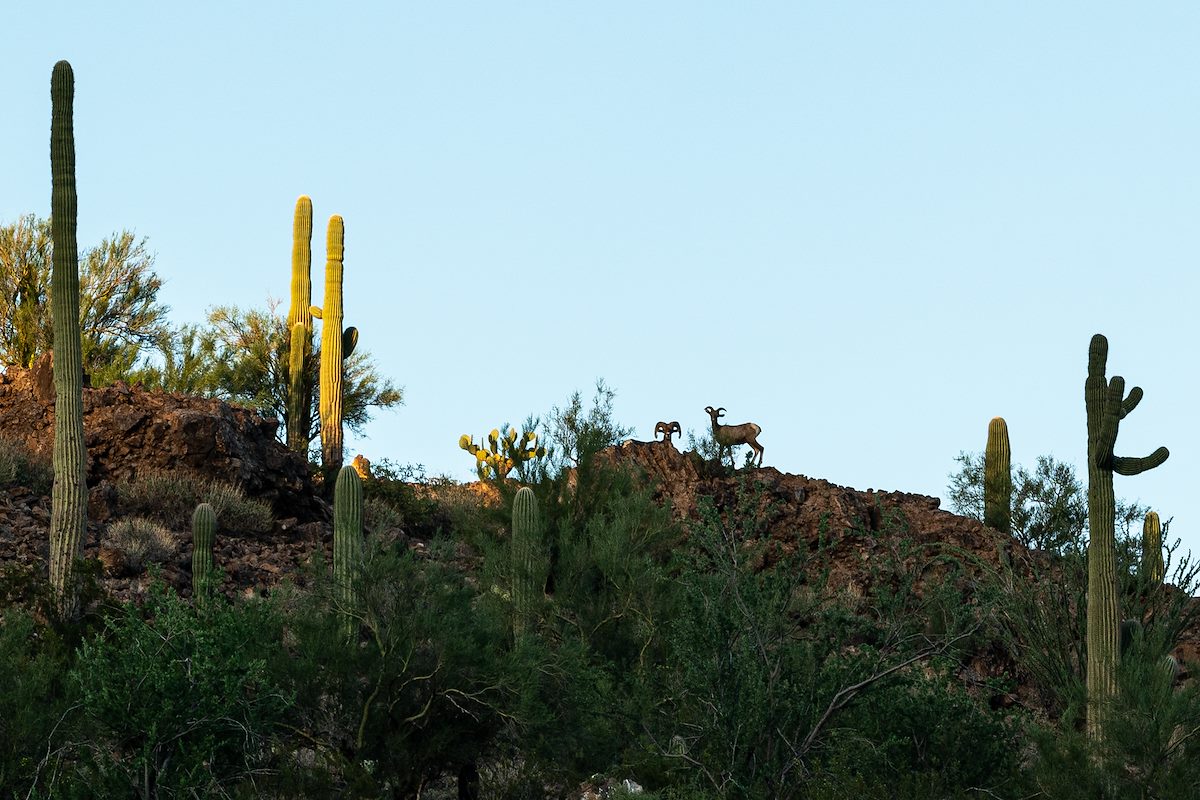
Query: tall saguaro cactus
x: 204, y: 529
x: 527, y: 561
x: 1152, y: 554
x: 997, y: 478
x: 68, y: 516
x: 332, y: 350
x: 1107, y: 405
x: 347, y: 538
x: 301, y: 328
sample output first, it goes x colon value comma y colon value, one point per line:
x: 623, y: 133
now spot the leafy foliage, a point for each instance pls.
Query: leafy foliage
x: 119, y: 313
x: 252, y: 365
x: 174, y: 705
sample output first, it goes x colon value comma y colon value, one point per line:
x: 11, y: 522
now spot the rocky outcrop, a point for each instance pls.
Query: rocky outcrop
x: 797, y: 511
x: 129, y: 430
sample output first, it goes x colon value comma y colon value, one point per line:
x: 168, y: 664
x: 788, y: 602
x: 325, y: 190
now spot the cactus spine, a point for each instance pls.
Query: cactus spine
x: 332, y: 350
x: 527, y: 564
x: 204, y: 528
x: 997, y: 478
x: 347, y: 538
x: 301, y: 328
x: 1106, y: 405
x: 68, y: 517
x: 1152, y: 555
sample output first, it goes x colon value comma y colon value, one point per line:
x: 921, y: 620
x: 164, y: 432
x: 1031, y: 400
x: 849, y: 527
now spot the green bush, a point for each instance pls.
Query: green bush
x: 35, y: 699
x: 769, y: 682
x: 178, y: 703
x: 391, y: 501
x: 415, y: 696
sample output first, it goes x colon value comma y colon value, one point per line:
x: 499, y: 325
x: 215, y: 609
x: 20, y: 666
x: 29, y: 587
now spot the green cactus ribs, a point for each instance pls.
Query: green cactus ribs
x: 527, y: 561
x: 204, y: 528
x: 1152, y: 552
x: 1107, y: 405
x: 300, y: 324
x: 336, y: 344
x: 997, y: 478
x: 68, y: 517
x: 347, y: 541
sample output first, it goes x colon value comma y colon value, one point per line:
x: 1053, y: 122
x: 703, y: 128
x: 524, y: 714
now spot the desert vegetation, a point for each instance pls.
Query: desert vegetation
x: 562, y: 626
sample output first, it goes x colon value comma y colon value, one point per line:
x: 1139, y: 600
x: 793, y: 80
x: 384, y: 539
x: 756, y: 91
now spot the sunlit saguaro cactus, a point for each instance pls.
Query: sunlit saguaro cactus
x: 300, y: 326
x: 332, y: 349
x: 997, y: 478
x: 68, y: 515
x: 1152, y: 551
x: 1106, y: 405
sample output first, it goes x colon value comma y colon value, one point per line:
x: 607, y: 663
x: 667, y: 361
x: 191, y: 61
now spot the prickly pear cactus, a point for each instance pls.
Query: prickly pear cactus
x: 1152, y: 553
x: 1107, y: 405
x: 68, y: 516
x: 528, y: 561
x: 997, y: 478
x: 501, y: 453
x: 301, y: 327
x: 347, y: 539
x: 204, y: 529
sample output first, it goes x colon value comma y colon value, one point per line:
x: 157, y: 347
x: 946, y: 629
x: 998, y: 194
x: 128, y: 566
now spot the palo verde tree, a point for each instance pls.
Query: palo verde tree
x: 120, y: 317
x: 251, y: 351
x: 1107, y: 404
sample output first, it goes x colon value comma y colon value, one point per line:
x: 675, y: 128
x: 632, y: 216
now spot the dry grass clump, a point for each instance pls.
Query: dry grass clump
x: 171, y: 497
x: 20, y: 467
x: 141, y: 541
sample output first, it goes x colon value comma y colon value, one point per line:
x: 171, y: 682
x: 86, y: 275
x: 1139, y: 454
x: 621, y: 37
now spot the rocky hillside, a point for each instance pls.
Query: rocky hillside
x: 130, y: 431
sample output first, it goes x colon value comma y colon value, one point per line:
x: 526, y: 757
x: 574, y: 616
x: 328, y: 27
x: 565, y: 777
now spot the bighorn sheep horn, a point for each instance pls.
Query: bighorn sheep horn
x: 727, y: 436
x: 666, y: 429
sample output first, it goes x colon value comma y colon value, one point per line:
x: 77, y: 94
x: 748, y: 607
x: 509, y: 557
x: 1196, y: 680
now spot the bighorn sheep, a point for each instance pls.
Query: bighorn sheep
x: 726, y: 436
x: 666, y: 429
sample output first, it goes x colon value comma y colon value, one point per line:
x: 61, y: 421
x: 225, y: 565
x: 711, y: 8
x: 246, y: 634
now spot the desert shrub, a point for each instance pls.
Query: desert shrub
x: 142, y: 541
x: 236, y: 512
x: 381, y: 517
x: 33, y: 661
x: 920, y: 735
x: 1150, y: 746
x: 769, y: 681
x: 20, y: 467
x: 171, y: 496
x: 176, y: 702
x: 393, y: 493
x: 416, y: 695
x: 606, y: 545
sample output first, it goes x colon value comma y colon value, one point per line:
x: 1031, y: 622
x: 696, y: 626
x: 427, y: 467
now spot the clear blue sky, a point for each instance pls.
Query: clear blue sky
x: 867, y: 227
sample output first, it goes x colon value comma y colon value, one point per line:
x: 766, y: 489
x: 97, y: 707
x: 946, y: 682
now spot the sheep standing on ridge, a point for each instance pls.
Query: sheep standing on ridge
x: 726, y: 436
x: 666, y: 429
